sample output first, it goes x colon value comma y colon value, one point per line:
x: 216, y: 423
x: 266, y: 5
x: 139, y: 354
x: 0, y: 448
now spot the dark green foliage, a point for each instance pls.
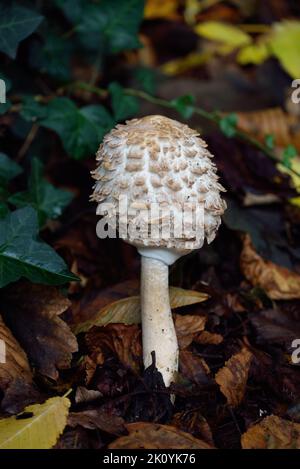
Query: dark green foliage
x: 228, y: 125
x: 22, y: 254
x: 8, y: 169
x: 16, y: 23
x: 184, y: 105
x: 288, y: 154
x: 270, y: 141
x: 80, y: 129
x: 44, y: 90
x: 109, y: 26
x: 124, y: 106
x: 47, y: 200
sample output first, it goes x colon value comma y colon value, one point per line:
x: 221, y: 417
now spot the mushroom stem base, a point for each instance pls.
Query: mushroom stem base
x: 159, y: 333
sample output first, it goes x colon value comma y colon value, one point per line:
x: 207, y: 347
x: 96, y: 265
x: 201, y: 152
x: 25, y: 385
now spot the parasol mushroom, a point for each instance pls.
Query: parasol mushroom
x: 150, y: 170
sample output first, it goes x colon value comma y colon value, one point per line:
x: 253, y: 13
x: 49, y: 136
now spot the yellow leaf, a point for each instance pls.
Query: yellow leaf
x: 127, y: 310
x: 180, y: 297
x: 181, y: 65
x: 295, y: 164
x: 285, y: 45
x: 255, y: 53
x: 158, y: 9
x: 230, y: 36
x: 39, y: 431
x: 192, y: 8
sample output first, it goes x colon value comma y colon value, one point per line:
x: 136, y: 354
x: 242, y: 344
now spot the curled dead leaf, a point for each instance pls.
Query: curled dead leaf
x: 193, y: 422
x: 113, y: 305
x: 278, y: 282
x: 187, y: 326
x: 232, y: 378
x: 121, y: 340
x: 13, y: 362
x: 97, y: 419
x: 155, y: 436
x: 194, y: 368
x: 272, y: 121
x: 272, y: 433
x: 84, y: 395
x: 274, y: 326
x: 32, y: 312
x: 206, y: 337
x: 20, y: 394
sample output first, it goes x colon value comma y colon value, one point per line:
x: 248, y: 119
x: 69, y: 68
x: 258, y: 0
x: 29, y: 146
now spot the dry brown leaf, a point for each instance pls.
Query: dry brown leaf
x: 32, y: 312
x: 278, y: 282
x: 90, y: 305
x: 84, y: 395
x: 234, y: 303
x: 122, y: 340
x: 89, y: 367
x: 113, y: 306
x: 187, y: 327
x: 192, y: 421
x: 272, y: 433
x: 232, y: 378
x: 14, y: 363
x: 276, y: 326
x: 97, y: 419
x: 19, y: 395
x: 194, y: 368
x: 272, y: 121
x: 207, y: 337
x: 155, y: 436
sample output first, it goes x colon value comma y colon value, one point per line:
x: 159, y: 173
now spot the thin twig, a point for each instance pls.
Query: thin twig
x: 210, y: 116
x: 214, y: 117
x: 28, y: 141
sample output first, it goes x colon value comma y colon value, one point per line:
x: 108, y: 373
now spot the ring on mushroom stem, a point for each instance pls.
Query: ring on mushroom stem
x: 157, y: 160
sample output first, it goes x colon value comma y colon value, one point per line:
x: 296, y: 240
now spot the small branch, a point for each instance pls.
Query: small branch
x: 209, y: 116
x: 104, y: 93
x: 28, y: 141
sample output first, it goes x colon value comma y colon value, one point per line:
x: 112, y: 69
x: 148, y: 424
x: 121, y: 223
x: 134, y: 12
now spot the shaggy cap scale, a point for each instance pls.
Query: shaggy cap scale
x: 158, y: 160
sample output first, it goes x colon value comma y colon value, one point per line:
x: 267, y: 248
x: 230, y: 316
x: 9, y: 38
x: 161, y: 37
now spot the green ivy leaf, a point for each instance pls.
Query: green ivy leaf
x: 270, y: 141
x: 146, y: 79
x: 48, y: 201
x: 32, y: 110
x: 53, y: 56
x: 110, y: 26
x: 22, y: 254
x: 288, y: 154
x: 80, y: 130
x: 16, y: 23
x: 9, y: 169
x: 123, y: 106
x: 184, y: 105
x: 4, y: 211
x: 72, y: 9
x: 228, y: 125
x: 123, y: 18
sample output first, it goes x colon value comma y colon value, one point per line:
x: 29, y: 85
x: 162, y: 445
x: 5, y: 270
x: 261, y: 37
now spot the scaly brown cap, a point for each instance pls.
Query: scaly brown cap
x: 158, y: 160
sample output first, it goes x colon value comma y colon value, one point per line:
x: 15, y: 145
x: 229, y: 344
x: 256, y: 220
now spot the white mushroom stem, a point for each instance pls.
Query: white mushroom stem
x: 159, y: 333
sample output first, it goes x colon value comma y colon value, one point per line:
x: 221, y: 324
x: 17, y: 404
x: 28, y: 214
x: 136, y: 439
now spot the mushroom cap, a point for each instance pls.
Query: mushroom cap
x: 159, y: 161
